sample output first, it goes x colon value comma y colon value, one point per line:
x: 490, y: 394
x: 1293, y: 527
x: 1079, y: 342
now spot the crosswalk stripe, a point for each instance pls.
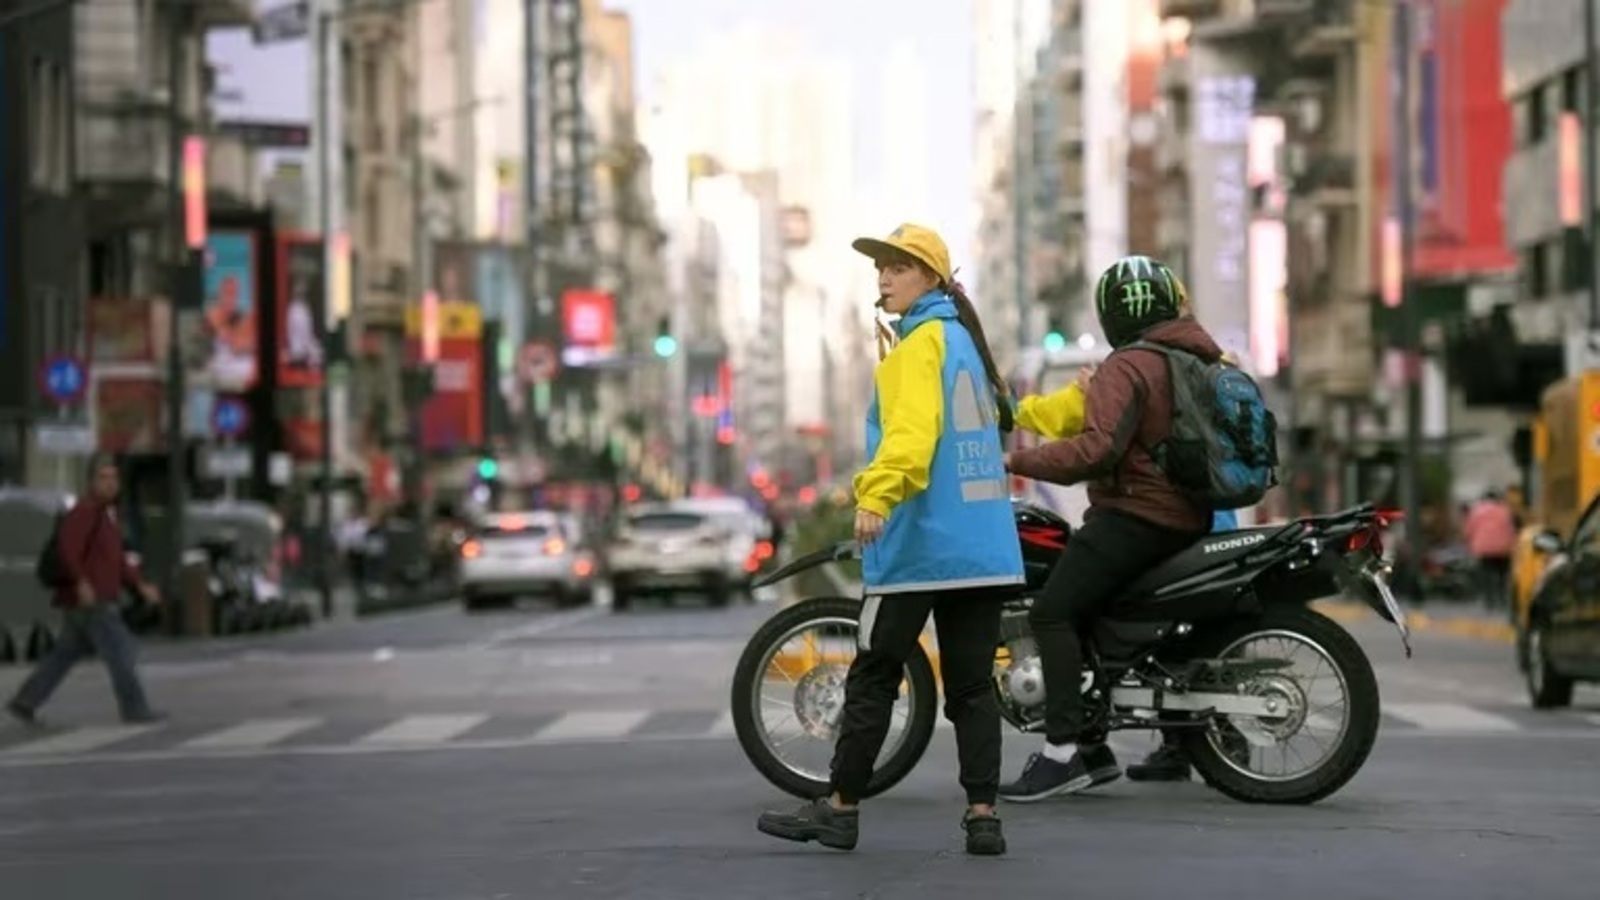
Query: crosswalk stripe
x: 80, y: 740
x: 1448, y: 717
x: 592, y: 724
x: 425, y: 729
x: 253, y: 733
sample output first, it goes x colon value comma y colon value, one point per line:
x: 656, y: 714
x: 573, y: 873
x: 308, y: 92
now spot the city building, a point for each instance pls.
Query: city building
x: 41, y: 223
x: 1543, y: 197
x: 749, y: 126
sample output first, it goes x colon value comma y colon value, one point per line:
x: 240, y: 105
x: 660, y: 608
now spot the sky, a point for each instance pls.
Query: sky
x: 858, y: 33
x: 272, y: 82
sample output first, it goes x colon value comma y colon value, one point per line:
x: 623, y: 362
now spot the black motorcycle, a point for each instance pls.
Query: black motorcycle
x: 1181, y: 649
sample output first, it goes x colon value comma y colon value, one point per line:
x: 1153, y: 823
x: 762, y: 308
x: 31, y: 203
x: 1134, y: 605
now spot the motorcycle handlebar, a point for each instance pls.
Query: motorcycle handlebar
x: 840, y: 551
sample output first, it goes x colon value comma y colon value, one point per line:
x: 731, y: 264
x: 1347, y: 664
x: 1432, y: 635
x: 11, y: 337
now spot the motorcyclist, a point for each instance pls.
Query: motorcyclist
x: 1136, y: 519
x: 1060, y: 415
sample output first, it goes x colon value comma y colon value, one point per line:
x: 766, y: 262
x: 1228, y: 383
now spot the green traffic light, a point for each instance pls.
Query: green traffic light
x: 666, y: 345
x: 488, y: 468
x: 1055, y: 341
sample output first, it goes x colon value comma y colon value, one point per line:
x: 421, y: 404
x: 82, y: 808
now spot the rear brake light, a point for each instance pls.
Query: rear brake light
x: 583, y: 567
x: 554, y: 547
x: 764, y: 550
x: 471, y: 550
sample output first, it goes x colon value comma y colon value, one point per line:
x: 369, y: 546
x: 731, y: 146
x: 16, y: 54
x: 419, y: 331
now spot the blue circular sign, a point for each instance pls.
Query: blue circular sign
x: 229, y: 417
x: 64, y: 379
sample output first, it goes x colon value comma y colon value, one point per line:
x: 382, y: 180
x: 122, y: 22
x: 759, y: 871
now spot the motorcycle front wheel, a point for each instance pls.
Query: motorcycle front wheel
x: 809, y: 688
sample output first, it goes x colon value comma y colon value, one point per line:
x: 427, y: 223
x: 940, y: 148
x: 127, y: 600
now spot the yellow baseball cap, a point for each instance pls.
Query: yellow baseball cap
x: 914, y: 240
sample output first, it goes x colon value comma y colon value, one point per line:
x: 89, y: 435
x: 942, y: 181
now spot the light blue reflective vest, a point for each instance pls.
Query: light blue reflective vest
x: 960, y: 532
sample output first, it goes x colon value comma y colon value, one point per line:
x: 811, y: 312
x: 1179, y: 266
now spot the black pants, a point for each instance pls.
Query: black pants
x: 1100, y: 560
x: 968, y: 627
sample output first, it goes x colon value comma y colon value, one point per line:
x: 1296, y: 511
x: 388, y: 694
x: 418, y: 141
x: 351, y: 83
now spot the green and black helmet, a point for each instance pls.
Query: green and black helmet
x: 1135, y: 293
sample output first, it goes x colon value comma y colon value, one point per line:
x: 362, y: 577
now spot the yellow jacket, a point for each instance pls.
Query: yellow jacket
x: 1053, y: 416
x: 908, y: 397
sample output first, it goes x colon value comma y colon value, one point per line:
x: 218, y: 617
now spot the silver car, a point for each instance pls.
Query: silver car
x: 659, y: 549
x: 516, y: 553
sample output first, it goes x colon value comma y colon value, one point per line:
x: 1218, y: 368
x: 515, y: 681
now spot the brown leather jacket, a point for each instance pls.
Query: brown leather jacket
x: 1129, y: 409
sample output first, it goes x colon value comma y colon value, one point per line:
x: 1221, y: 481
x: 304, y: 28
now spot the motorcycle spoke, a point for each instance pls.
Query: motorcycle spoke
x: 1268, y: 747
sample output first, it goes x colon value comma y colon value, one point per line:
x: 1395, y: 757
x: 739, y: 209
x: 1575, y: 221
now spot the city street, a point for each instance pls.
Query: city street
x: 540, y: 754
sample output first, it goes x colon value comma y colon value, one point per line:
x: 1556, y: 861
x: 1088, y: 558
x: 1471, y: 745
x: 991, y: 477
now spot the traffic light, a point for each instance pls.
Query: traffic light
x: 1055, y: 341
x: 666, y: 345
x: 488, y: 468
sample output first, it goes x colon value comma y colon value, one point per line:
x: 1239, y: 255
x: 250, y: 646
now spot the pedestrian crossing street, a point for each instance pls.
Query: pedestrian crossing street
x: 355, y: 733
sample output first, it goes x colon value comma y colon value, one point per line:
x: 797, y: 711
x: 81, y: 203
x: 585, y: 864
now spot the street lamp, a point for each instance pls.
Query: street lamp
x: 332, y: 11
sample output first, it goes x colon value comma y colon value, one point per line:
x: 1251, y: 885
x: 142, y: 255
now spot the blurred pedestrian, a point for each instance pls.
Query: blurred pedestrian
x: 1491, y: 535
x: 95, y: 572
x: 933, y: 438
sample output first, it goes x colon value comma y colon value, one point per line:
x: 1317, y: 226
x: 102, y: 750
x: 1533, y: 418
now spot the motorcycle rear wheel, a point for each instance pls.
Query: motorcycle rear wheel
x: 751, y: 671
x: 1360, y: 734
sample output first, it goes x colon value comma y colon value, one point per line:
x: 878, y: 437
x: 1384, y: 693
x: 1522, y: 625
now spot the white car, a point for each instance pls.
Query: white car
x: 515, y: 553
x: 661, y: 549
x: 749, y: 534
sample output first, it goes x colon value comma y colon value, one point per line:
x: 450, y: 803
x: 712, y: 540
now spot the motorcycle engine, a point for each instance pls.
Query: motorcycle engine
x: 1024, y: 677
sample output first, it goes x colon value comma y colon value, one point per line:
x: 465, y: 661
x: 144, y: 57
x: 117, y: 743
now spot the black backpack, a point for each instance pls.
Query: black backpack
x: 49, y: 569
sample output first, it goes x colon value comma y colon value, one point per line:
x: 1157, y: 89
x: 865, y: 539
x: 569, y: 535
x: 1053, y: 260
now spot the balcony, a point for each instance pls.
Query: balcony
x: 1172, y: 76
x: 1275, y: 10
x: 125, y: 149
x: 211, y: 14
x: 1333, y: 347
x: 1332, y: 29
x: 1328, y: 179
x: 1188, y: 9
x: 1069, y: 129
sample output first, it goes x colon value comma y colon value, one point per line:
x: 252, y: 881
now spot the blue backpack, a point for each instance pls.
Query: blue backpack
x: 1223, y: 449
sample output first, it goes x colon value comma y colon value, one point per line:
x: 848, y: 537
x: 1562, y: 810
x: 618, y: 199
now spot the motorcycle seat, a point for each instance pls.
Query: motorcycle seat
x: 1209, y: 552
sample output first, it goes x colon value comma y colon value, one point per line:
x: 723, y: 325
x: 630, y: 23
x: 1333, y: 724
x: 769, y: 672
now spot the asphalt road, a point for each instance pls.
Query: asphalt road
x: 539, y: 754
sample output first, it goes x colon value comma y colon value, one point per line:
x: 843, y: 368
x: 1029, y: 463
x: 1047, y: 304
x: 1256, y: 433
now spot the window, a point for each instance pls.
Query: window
x: 1534, y: 119
x: 49, y: 127
x: 374, y: 213
x: 1535, y: 271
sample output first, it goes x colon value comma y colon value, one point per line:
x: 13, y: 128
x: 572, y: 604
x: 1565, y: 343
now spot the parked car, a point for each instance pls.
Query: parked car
x: 662, y: 549
x: 509, y: 554
x: 1558, y: 645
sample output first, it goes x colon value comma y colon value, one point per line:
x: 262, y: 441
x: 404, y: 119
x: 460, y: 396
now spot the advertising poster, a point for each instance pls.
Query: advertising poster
x: 302, y: 311
x: 451, y: 419
x: 588, y: 327
x: 128, y: 415
x: 229, y: 311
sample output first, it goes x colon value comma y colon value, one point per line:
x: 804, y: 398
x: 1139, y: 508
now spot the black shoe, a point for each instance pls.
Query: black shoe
x: 1166, y: 763
x: 816, y: 821
x: 984, y: 835
x: 1043, y: 777
x: 22, y: 713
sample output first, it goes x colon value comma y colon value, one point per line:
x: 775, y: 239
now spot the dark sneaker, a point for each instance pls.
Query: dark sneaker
x: 816, y: 821
x: 984, y: 835
x: 1043, y: 777
x: 22, y: 713
x: 1165, y: 763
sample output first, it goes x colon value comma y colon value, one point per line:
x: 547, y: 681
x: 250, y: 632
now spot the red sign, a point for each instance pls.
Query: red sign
x: 452, y: 419
x: 588, y: 326
x: 302, y: 311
